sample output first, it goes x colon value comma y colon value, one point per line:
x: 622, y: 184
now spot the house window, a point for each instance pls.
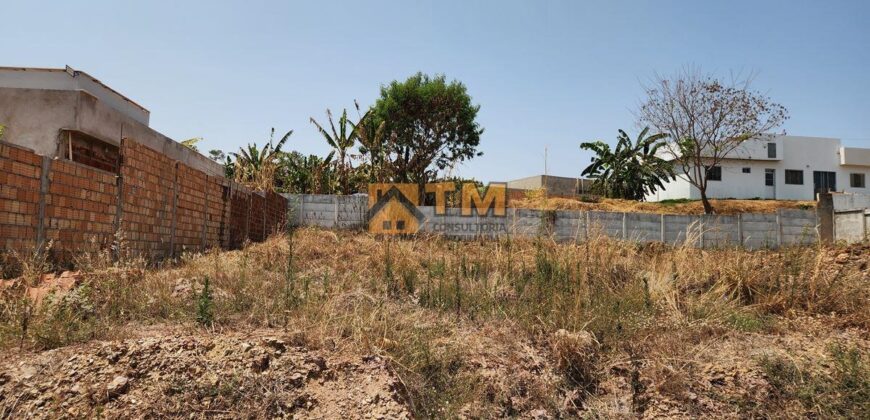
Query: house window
x: 400, y: 225
x: 771, y: 150
x: 769, y: 177
x: 714, y: 173
x: 857, y: 181
x: 747, y: 170
x: 388, y: 224
x: 794, y: 177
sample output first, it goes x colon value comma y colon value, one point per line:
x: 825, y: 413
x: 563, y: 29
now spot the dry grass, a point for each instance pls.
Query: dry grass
x: 537, y: 200
x: 496, y: 328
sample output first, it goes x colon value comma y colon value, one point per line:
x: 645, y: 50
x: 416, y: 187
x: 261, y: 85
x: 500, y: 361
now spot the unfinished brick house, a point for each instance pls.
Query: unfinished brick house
x: 80, y: 168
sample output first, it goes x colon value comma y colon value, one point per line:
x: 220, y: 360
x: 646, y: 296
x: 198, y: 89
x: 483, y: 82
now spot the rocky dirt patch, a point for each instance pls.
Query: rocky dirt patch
x: 180, y: 375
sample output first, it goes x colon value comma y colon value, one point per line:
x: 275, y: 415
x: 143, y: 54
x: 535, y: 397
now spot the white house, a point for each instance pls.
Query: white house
x: 782, y: 168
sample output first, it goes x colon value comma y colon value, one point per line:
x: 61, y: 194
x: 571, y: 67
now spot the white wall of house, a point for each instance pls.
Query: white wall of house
x: 807, y: 154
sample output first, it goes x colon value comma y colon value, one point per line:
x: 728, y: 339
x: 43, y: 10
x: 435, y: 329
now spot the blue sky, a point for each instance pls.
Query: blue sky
x: 546, y: 73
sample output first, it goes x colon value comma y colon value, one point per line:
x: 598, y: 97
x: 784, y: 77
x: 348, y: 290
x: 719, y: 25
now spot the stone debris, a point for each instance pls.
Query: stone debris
x: 178, y: 375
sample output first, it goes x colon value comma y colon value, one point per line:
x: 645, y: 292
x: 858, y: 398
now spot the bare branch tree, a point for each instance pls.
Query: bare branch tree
x: 707, y: 120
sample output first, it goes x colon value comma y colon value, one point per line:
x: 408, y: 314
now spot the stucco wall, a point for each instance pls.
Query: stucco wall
x: 807, y: 154
x: 34, y: 118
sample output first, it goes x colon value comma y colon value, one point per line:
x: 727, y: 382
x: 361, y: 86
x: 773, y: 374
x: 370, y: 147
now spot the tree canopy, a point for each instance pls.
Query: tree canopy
x: 706, y: 120
x: 432, y: 125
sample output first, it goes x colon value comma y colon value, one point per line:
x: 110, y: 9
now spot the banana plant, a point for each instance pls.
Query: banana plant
x: 256, y: 167
x: 632, y: 170
x: 341, y: 140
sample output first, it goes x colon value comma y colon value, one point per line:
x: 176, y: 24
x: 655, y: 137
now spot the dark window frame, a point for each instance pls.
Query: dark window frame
x: 790, y: 174
x: 771, y: 150
x: 747, y: 170
x: 713, y: 173
x: 854, y: 176
x: 769, y: 177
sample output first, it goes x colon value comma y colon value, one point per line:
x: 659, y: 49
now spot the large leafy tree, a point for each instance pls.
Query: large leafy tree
x: 256, y: 167
x: 633, y: 169
x: 431, y: 123
x: 341, y: 140
x: 707, y: 119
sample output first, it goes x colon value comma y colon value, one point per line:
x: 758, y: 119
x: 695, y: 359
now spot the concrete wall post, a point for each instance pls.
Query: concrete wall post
x: 43, y: 191
x: 662, y: 228
x: 174, y: 210
x: 825, y: 215
x: 779, y: 228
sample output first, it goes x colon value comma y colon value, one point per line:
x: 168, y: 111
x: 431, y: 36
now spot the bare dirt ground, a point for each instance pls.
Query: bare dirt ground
x: 170, y: 372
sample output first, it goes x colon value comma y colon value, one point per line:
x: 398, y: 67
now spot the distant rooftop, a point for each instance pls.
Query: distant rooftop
x: 71, y: 79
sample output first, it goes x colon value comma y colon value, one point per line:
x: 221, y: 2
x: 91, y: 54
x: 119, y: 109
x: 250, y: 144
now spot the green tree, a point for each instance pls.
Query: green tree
x: 432, y: 125
x: 633, y: 169
x: 341, y: 141
x: 256, y: 167
x: 300, y: 174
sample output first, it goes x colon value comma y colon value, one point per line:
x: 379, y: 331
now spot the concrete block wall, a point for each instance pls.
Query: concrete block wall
x: 848, y: 215
x: 786, y: 227
x: 160, y: 206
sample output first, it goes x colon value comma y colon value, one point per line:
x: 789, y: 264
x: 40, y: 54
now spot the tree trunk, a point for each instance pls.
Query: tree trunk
x: 708, y: 208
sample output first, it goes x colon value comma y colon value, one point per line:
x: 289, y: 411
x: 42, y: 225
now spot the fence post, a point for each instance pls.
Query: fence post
x: 740, y: 228
x: 779, y: 228
x: 624, y: 233
x: 43, y: 191
x: 335, y: 207
x: 825, y: 217
x: 662, y: 228
x: 586, y: 224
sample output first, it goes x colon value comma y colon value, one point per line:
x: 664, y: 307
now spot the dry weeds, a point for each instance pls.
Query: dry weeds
x: 501, y: 328
x: 535, y: 200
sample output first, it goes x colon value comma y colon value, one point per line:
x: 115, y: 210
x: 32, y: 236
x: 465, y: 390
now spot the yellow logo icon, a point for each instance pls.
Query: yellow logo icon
x: 393, y: 208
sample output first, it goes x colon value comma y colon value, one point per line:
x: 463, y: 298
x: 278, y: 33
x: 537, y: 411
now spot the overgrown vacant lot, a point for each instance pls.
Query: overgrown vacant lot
x: 332, y: 324
x: 537, y: 200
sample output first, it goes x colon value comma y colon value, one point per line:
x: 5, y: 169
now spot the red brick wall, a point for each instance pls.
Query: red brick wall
x: 19, y: 198
x: 216, y: 212
x: 157, y: 195
x: 276, y: 212
x: 149, y: 182
x: 80, y: 207
x: 240, y: 201
x: 190, y: 213
x: 256, y: 226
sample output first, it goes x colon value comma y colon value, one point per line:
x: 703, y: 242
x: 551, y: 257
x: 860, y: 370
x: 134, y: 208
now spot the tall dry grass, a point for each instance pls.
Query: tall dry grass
x: 420, y: 301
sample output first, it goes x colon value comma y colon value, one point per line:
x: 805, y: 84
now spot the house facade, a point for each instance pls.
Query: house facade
x: 781, y: 168
x: 69, y: 114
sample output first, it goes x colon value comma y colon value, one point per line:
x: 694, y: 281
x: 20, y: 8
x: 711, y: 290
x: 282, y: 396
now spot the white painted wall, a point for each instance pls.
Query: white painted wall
x: 807, y: 154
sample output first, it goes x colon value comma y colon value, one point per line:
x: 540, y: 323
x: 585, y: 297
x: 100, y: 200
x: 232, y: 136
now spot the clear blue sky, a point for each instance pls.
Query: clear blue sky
x: 545, y: 73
